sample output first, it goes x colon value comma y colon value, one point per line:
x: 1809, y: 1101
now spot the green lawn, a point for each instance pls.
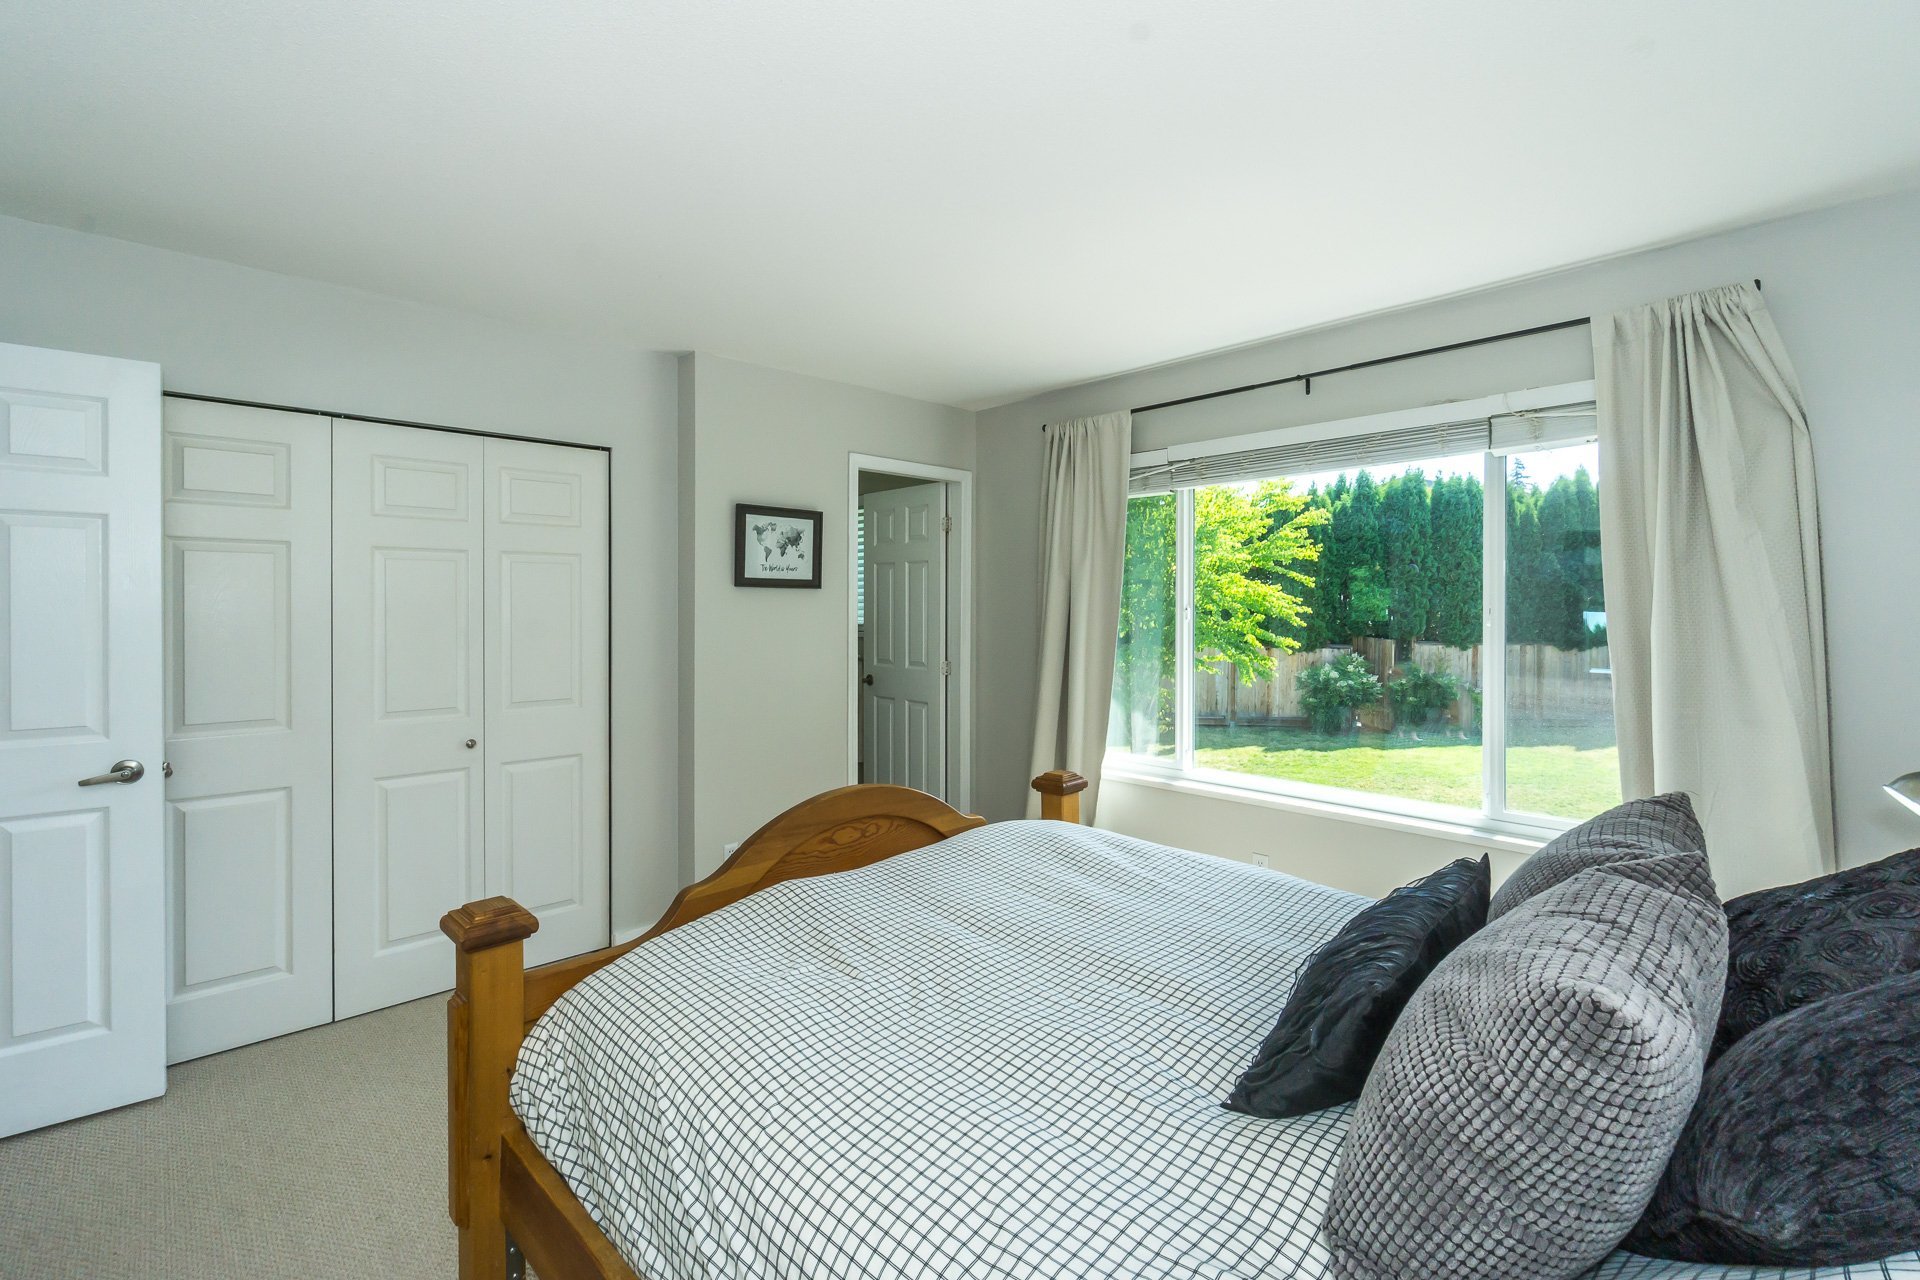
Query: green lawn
x: 1568, y: 771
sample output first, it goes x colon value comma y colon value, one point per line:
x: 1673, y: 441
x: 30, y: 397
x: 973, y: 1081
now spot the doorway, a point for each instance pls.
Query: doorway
x: 910, y: 635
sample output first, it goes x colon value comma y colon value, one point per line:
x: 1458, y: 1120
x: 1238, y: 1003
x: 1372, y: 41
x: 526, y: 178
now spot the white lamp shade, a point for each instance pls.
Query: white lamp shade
x: 1906, y: 789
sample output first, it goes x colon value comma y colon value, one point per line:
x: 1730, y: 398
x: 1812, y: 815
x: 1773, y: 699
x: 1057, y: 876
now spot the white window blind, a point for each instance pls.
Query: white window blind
x: 1540, y: 418
x: 1544, y: 428
x: 1306, y: 457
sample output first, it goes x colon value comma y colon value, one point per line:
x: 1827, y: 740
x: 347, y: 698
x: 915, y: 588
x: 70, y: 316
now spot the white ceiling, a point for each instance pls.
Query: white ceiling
x: 964, y: 201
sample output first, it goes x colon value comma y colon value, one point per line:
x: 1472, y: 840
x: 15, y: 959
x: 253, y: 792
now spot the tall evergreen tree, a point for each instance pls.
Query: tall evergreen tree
x: 1453, y: 610
x: 1359, y: 576
x: 1527, y: 610
x: 1406, y: 543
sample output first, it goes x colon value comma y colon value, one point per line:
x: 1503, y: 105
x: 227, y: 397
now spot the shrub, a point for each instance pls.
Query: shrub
x: 1332, y: 691
x: 1419, y: 696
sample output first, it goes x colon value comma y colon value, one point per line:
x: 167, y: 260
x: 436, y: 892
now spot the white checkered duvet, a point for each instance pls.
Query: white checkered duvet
x: 999, y: 1056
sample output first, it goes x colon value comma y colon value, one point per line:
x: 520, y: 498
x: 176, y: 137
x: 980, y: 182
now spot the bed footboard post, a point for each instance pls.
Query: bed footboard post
x: 485, y: 1021
x: 1060, y: 794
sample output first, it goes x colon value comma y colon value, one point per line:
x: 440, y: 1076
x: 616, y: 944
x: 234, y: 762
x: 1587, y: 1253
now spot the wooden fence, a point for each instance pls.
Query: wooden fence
x: 1541, y: 680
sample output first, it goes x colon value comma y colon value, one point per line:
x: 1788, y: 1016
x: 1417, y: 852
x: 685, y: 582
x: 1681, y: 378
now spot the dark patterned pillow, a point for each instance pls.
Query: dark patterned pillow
x: 1636, y: 829
x: 1348, y: 995
x: 1526, y: 1102
x: 1791, y: 946
x: 1804, y: 1149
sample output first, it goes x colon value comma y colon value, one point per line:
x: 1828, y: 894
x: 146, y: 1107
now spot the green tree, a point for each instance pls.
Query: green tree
x: 1143, y: 665
x: 1406, y: 547
x: 1527, y: 609
x: 1354, y: 553
x: 1252, y: 547
x: 1457, y: 581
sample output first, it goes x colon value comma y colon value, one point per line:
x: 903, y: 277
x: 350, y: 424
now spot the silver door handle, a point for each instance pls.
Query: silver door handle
x: 123, y: 771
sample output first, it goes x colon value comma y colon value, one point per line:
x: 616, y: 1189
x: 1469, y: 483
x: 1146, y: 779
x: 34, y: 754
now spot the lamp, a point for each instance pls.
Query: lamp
x: 1906, y: 789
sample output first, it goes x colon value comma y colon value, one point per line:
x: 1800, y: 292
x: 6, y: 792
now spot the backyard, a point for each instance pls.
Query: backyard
x: 1568, y: 770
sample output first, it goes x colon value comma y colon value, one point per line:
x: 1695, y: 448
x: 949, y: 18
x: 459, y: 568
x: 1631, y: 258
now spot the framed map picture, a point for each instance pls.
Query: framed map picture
x: 775, y: 546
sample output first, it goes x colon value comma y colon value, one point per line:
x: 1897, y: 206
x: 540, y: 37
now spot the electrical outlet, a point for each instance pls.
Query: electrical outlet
x: 726, y: 850
x: 1262, y: 860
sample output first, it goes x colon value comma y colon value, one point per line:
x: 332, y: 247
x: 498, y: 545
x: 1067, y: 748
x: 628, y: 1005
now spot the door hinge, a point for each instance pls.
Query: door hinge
x: 946, y: 668
x: 946, y: 524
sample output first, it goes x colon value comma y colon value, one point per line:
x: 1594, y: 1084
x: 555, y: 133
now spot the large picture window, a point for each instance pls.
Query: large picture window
x: 1412, y: 622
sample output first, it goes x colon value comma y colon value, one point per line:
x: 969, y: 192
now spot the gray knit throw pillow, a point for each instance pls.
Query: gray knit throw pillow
x: 1523, y: 1109
x: 1625, y: 833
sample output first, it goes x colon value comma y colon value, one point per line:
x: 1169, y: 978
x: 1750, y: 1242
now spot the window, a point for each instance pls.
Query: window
x: 1310, y: 612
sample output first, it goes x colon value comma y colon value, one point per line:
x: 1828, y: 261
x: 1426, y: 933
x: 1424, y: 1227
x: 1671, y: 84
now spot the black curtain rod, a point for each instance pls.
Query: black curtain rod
x: 1307, y: 378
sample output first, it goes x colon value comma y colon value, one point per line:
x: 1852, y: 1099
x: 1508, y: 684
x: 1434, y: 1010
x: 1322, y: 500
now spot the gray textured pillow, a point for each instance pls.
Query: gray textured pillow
x: 1625, y: 833
x: 1523, y: 1109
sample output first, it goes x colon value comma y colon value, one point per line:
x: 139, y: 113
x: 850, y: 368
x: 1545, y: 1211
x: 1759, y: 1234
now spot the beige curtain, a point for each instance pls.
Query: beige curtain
x: 1712, y: 566
x: 1084, y: 551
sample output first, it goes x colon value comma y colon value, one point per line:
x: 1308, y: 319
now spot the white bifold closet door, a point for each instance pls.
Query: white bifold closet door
x: 470, y: 698
x: 249, y: 821
x: 547, y: 691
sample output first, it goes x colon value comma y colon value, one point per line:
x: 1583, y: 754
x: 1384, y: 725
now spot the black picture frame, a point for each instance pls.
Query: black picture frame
x: 776, y: 546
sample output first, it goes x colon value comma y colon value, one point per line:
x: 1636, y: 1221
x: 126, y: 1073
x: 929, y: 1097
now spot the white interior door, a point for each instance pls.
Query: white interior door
x: 546, y: 703
x: 408, y: 708
x: 905, y: 681
x: 82, y: 1004
x: 249, y: 601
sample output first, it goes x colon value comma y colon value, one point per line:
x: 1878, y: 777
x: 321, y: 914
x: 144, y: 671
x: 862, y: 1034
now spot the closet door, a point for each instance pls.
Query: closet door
x: 249, y: 824
x: 546, y: 663
x: 409, y: 707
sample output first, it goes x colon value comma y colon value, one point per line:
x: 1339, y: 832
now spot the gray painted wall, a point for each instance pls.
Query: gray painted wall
x: 763, y: 674
x: 1843, y: 285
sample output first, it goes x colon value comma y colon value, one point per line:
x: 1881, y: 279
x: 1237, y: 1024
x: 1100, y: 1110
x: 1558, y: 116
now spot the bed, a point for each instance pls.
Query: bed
x: 914, y: 1045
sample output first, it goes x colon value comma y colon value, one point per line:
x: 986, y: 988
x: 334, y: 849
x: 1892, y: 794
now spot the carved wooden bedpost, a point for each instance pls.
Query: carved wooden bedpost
x: 484, y: 1028
x: 1060, y: 794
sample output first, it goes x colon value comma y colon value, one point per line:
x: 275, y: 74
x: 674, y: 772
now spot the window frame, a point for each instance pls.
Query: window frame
x: 1494, y: 818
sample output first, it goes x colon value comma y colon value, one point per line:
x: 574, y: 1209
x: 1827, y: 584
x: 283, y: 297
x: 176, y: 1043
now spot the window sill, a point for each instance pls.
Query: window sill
x: 1487, y: 835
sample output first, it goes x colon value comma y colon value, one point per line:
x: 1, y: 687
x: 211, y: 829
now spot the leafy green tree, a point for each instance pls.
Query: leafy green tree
x: 1149, y: 613
x: 1252, y: 548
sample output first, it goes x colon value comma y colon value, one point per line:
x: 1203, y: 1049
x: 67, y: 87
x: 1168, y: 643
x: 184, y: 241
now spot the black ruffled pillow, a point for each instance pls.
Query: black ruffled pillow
x: 1790, y: 946
x: 1803, y: 1149
x: 1348, y: 995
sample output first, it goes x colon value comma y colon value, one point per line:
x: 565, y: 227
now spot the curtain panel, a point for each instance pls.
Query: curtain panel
x: 1084, y: 550
x: 1712, y: 571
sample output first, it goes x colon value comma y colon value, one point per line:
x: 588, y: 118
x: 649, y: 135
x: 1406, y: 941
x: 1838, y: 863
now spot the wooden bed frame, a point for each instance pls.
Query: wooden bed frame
x: 510, y: 1205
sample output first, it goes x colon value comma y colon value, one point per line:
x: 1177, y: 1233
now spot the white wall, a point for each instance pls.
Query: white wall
x: 1843, y: 285
x: 763, y: 674
x: 219, y: 329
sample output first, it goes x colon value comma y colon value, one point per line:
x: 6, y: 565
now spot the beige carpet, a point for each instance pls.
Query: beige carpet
x: 317, y: 1155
